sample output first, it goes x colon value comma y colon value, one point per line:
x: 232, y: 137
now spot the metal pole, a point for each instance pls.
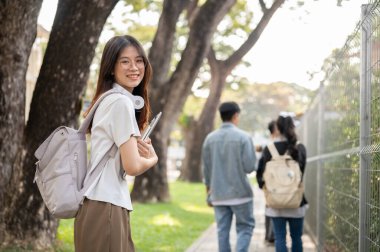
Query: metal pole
x: 365, y: 126
x: 305, y: 129
x: 320, y: 186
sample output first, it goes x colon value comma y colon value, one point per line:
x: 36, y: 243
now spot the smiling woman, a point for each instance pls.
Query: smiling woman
x: 103, y: 220
x: 130, y: 69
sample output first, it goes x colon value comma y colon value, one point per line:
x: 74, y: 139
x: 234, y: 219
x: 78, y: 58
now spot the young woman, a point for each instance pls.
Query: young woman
x: 295, y: 216
x: 102, y: 222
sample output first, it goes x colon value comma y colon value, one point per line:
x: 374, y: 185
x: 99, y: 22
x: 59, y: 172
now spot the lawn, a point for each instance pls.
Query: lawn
x: 170, y: 226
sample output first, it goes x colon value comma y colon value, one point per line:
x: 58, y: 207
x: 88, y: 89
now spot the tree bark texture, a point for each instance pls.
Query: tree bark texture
x: 18, y: 31
x: 162, y: 45
x: 56, y: 101
x: 171, y: 95
x: 191, y: 166
x: 191, y: 169
x: 153, y: 185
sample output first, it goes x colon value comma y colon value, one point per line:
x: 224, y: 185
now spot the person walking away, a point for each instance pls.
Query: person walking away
x: 102, y: 222
x: 294, y: 216
x: 274, y: 136
x: 228, y: 155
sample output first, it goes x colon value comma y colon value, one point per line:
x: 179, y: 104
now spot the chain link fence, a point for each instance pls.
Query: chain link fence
x: 342, y: 133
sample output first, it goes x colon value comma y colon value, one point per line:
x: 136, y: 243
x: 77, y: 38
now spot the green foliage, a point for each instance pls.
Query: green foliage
x: 65, y: 236
x: 170, y: 226
x: 260, y: 103
x: 239, y: 20
x: 144, y: 33
x: 341, y: 129
x: 150, y: 5
x: 236, y: 26
x: 135, y: 18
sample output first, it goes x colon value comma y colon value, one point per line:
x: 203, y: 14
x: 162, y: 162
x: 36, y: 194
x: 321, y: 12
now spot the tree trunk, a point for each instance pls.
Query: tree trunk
x: 152, y: 186
x: 191, y: 167
x: 172, y: 94
x: 18, y: 31
x: 56, y: 101
x: 162, y: 45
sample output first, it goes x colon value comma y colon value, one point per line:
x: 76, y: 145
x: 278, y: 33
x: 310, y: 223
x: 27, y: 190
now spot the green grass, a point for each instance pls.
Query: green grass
x: 65, y: 236
x: 168, y: 227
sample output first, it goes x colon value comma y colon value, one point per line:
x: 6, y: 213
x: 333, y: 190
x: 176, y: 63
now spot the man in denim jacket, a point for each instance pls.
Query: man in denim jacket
x: 228, y: 156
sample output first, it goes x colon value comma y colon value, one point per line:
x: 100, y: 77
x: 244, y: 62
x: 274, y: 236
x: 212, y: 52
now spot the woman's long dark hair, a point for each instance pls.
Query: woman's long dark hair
x: 286, y: 127
x: 106, y: 79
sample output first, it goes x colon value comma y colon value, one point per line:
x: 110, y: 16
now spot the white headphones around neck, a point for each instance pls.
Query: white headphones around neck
x: 138, y: 101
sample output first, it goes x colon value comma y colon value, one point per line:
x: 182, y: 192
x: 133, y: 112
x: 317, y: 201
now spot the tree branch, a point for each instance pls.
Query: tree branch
x: 192, y: 11
x: 162, y: 45
x: 263, y: 6
x: 213, y: 62
x: 236, y: 57
x: 197, y: 47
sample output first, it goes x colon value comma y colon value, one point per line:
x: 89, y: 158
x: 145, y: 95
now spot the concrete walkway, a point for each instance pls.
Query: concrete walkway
x: 208, y: 242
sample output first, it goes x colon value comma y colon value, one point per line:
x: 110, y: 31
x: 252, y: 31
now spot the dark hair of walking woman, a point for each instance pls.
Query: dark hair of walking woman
x: 106, y: 78
x: 287, y: 128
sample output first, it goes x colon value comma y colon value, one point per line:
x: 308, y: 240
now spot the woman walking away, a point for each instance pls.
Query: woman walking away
x: 102, y: 222
x: 294, y: 216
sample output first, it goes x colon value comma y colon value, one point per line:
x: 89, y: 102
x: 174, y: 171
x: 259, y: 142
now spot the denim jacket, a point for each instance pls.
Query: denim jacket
x: 228, y: 156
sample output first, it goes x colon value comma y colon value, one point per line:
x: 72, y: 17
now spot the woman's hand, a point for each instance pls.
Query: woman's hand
x: 137, y: 156
x: 146, y: 149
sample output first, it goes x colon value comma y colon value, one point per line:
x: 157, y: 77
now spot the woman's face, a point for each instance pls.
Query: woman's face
x: 129, y: 68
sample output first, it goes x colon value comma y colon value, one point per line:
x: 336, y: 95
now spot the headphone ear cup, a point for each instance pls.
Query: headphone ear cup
x: 138, y: 102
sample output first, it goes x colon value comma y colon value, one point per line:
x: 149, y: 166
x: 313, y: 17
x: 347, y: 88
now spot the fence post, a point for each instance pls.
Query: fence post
x: 320, y: 186
x: 305, y: 129
x: 365, y: 125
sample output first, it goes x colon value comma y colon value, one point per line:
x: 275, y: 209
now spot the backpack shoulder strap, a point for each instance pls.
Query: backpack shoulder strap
x: 273, y: 151
x: 86, y: 122
x: 92, y: 175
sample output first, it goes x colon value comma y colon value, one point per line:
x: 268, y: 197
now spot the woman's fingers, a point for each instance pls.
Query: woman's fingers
x: 143, y: 148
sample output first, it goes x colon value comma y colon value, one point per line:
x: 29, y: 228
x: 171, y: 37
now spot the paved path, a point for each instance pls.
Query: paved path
x: 207, y: 242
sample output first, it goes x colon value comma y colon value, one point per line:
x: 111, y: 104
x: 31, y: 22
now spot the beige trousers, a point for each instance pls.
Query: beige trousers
x: 101, y: 226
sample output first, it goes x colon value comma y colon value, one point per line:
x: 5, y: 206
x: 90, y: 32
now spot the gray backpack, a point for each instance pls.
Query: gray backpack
x: 61, y: 172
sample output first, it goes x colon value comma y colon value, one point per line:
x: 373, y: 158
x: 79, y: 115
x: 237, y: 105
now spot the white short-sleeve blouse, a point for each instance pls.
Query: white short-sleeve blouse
x: 114, y: 123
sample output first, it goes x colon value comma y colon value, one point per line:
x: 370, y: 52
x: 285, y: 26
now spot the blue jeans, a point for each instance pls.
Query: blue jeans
x: 295, y: 227
x: 244, y: 226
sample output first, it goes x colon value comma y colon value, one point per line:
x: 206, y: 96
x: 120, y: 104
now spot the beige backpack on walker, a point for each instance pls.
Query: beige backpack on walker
x: 283, y: 186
